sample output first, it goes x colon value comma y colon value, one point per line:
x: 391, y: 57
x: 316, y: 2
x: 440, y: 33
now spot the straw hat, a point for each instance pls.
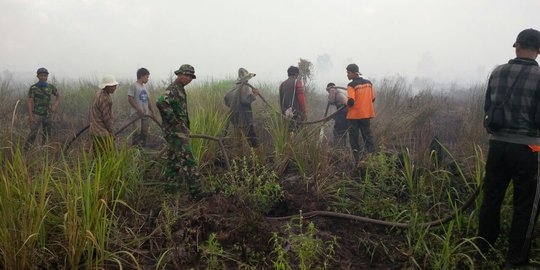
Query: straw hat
x: 244, y: 75
x: 108, y: 80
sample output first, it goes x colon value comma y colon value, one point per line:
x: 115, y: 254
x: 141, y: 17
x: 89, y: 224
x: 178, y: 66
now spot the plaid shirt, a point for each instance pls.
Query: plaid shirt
x: 101, y: 120
x: 522, y: 109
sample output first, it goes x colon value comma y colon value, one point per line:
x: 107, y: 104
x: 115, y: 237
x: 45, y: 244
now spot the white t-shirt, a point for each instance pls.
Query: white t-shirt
x: 141, y: 95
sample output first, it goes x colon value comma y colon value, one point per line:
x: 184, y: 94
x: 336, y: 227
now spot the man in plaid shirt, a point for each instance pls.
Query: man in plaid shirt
x: 510, y: 155
x: 101, y: 119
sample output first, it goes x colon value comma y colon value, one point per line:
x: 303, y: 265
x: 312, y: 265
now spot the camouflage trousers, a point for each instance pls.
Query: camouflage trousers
x: 45, y: 123
x: 181, y: 166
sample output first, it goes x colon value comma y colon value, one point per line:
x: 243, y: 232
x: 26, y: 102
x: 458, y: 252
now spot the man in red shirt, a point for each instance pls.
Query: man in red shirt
x: 291, y: 96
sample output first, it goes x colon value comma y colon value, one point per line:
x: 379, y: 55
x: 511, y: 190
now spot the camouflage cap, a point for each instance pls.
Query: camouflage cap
x: 186, y: 70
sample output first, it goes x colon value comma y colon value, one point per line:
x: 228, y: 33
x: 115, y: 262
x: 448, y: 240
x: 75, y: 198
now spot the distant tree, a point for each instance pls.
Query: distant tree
x: 324, y: 62
x: 305, y: 67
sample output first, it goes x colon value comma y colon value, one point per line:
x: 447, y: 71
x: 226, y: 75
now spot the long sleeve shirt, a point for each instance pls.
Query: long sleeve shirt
x: 361, y: 91
x: 174, y: 111
x: 240, y: 104
x: 101, y: 120
x: 521, y: 110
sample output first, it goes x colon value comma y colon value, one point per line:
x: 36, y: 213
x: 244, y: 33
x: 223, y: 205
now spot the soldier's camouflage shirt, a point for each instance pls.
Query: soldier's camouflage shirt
x: 173, y: 109
x: 42, y: 98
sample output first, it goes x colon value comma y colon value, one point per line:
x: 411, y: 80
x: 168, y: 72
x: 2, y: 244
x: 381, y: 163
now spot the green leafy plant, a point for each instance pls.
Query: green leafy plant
x: 300, y: 247
x: 212, y: 253
x: 252, y: 183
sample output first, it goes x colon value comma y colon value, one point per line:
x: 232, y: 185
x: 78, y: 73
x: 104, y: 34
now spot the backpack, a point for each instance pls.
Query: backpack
x: 230, y: 97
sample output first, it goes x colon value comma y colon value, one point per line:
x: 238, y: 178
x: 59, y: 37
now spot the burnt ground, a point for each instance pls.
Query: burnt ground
x: 180, y: 227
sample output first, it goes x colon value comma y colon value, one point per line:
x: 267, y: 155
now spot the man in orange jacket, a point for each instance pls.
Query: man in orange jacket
x: 360, y: 104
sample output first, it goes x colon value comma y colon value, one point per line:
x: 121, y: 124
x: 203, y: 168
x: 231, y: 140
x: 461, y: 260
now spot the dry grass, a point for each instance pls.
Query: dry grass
x: 401, y: 183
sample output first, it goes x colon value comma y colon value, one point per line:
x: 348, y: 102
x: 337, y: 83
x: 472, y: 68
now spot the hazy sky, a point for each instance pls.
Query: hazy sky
x: 446, y: 40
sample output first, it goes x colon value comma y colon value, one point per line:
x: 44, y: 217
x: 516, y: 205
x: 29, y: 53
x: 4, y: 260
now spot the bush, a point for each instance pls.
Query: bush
x: 252, y: 183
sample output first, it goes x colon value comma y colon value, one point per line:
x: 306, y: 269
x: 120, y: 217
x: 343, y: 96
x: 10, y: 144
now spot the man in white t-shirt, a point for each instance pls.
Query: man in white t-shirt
x: 139, y: 97
x: 338, y: 97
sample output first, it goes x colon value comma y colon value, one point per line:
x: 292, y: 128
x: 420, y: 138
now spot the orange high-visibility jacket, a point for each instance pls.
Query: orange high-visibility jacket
x: 361, y: 91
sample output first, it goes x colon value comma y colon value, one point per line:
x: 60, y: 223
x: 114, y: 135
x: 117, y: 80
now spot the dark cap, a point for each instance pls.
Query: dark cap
x: 42, y: 70
x: 186, y: 70
x: 528, y: 39
x: 353, y: 68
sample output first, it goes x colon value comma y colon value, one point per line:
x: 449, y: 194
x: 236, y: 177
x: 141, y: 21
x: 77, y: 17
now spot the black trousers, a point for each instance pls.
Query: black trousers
x: 505, y: 162
x: 357, y: 126
x: 251, y: 136
x: 341, y: 127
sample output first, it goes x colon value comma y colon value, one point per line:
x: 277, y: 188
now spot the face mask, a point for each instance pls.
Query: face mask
x: 42, y: 84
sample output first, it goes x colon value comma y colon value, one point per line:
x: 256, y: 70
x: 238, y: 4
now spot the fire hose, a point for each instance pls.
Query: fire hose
x: 316, y: 213
x: 433, y: 223
x: 324, y: 119
x: 194, y: 136
x: 330, y: 214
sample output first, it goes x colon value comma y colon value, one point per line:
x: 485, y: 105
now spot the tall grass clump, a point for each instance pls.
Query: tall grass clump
x: 437, y: 194
x: 208, y: 116
x: 91, y: 194
x: 278, y: 128
x: 24, y: 207
x: 309, y: 154
x: 450, y: 253
x: 209, y: 122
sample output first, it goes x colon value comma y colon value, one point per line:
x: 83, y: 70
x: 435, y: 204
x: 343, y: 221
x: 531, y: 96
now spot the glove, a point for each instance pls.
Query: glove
x: 350, y: 102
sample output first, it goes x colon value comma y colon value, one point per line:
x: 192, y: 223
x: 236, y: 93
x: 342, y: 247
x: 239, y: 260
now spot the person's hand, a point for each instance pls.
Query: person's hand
x: 255, y: 91
x: 140, y: 113
x: 54, y: 108
x: 32, y: 119
x: 304, y: 116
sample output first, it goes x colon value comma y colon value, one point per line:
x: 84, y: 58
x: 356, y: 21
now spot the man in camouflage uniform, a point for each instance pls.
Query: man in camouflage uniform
x: 39, y: 107
x: 181, y: 165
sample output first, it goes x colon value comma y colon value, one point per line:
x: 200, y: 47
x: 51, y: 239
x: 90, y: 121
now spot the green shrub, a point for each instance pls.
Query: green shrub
x: 301, y: 248
x: 252, y: 183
